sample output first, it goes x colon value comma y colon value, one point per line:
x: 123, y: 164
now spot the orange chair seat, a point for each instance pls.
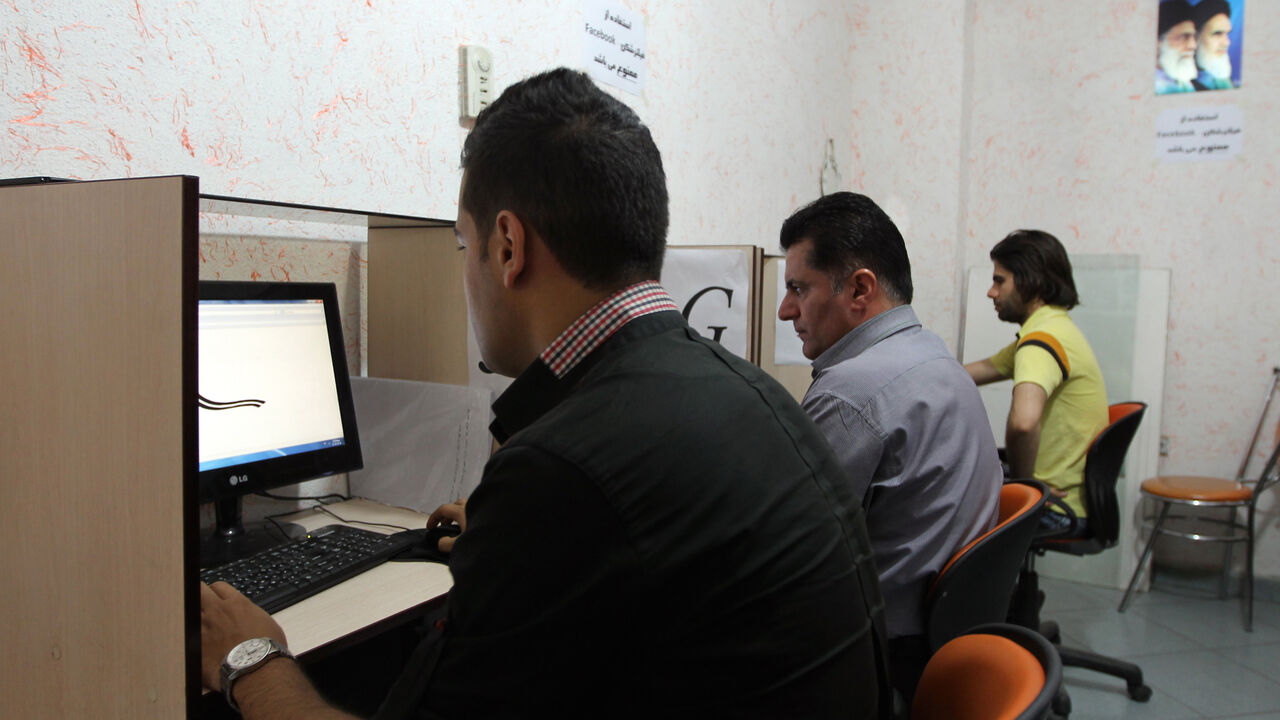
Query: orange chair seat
x: 1191, y: 487
x: 978, y: 677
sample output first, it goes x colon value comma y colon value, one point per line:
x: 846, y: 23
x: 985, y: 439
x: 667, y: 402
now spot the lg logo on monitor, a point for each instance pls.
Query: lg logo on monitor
x: 235, y: 480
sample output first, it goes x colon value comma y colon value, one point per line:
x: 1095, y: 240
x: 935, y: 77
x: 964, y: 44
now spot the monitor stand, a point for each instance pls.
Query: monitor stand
x: 232, y: 540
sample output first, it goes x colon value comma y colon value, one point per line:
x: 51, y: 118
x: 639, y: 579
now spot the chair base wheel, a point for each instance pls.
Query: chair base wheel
x: 1061, y: 705
x: 1141, y: 693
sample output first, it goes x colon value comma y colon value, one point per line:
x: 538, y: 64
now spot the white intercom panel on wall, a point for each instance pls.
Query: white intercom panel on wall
x: 477, y: 80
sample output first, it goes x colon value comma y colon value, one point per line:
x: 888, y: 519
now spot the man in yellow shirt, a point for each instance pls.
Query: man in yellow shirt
x: 1059, y: 398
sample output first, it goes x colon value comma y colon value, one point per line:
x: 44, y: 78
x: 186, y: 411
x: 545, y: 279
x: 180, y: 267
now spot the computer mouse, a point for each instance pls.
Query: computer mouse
x: 425, y: 543
x: 434, y: 534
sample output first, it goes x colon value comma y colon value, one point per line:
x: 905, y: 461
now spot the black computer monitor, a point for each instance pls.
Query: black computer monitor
x: 274, y: 400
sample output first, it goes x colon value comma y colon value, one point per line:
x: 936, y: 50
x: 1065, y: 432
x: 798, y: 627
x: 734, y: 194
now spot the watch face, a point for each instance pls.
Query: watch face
x: 248, y: 652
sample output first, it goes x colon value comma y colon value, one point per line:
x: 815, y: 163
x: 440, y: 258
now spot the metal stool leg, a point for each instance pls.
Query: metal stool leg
x: 1226, y: 559
x: 1146, y: 553
x: 1248, y: 572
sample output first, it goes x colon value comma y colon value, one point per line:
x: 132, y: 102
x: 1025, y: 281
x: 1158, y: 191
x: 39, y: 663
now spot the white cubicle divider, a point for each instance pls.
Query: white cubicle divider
x: 424, y: 444
x: 780, y: 348
x: 1124, y: 313
x: 715, y: 288
x: 788, y: 349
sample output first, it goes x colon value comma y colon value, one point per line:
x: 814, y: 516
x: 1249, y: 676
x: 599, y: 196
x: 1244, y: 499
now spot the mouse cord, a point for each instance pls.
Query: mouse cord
x: 327, y: 511
x: 320, y: 507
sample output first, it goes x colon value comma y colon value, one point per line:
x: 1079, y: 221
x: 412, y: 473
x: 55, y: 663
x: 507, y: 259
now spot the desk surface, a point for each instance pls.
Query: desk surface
x: 369, y: 598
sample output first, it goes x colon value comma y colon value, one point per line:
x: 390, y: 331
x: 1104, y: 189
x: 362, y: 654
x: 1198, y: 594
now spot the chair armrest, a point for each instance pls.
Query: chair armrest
x: 1071, y: 530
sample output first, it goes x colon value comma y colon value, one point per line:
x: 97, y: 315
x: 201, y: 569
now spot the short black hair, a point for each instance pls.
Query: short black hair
x: 848, y: 232
x: 1205, y: 11
x: 1170, y: 13
x: 577, y: 166
x: 1040, y: 267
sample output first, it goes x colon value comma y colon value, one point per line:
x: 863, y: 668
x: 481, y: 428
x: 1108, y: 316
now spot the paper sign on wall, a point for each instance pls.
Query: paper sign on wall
x: 1206, y: 133
x: 787, y: 347
x: 613, y: 47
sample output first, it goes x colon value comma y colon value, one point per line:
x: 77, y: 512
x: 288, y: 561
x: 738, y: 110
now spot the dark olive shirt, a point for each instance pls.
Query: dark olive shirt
x: 662, y: 533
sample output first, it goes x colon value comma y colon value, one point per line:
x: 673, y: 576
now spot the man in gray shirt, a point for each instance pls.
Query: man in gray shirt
x: 900, y: 412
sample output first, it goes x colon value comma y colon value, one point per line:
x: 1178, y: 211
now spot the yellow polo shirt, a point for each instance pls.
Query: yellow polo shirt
x: 1052, y: 352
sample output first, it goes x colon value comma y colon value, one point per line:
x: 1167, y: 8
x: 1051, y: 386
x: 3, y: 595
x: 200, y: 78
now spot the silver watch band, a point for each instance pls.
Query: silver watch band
x: 231, y: 673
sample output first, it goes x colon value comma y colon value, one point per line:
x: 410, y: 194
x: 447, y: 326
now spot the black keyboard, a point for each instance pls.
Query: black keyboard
x: 283, y: 575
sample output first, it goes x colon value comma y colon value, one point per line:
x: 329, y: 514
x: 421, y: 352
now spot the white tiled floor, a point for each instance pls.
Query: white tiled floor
x: 1192, y: 648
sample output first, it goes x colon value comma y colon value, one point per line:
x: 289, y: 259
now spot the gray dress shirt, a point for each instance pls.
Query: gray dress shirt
x: 910, y: 430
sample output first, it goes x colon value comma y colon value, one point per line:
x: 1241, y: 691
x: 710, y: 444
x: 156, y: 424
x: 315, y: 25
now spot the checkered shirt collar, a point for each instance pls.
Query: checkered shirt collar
x: 599, y: 323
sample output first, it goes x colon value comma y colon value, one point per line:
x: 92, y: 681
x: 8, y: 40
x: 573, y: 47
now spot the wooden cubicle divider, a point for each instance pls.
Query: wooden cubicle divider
x: 417, y: 306
x: 759, y: 311
x: 418, y: 313
x: 99, y: 449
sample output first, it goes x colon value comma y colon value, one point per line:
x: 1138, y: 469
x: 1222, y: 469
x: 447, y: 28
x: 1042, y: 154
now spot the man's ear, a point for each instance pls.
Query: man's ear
x: 860, y: 287
x: 509, y: 243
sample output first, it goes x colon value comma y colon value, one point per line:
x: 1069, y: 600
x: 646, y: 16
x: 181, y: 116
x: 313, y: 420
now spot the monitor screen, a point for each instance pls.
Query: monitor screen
x: 274, y: 396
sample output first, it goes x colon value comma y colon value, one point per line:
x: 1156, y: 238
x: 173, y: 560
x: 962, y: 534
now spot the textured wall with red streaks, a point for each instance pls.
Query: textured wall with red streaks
x: 965, y: 120
x: 355, y: 104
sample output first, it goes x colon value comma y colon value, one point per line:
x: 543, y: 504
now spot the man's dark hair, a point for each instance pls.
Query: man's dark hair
x: 1170, y: 13
x: 1040, y: 267
x: 579, y: 168
x: 1207, y: 9
x: 849, y: 232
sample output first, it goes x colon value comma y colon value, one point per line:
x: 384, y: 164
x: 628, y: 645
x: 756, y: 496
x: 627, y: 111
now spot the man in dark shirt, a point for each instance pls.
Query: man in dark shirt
x: 663, y: 530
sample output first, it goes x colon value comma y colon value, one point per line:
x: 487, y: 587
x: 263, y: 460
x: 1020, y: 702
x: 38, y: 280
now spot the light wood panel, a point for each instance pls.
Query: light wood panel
x: 417, y: 306
x: 98, y: 445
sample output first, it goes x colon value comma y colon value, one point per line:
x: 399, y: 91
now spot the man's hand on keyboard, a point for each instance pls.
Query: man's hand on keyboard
x: 228, y: 618
x: 455, y: 512
x: 279, y: 690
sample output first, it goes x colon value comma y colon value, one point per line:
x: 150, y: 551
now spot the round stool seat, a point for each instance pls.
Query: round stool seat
x: 1202, y: 489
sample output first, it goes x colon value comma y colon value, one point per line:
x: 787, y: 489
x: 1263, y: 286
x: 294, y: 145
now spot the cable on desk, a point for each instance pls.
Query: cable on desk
x: 297, y: 498
x: 320, y: 507
x: 318, y: 498
x: 327, y: 511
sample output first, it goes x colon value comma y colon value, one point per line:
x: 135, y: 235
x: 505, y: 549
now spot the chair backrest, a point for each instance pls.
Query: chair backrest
x: 995, y: 672
x: 1102, y: 469
x: 976, y: 585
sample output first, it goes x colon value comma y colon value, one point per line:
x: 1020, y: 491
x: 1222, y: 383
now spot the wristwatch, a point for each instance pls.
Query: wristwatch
x: 245, y: 658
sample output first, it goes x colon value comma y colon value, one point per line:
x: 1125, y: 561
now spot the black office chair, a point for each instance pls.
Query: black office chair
x: 976, y: 585
x: 1102, y: 469
x: 995, y: 671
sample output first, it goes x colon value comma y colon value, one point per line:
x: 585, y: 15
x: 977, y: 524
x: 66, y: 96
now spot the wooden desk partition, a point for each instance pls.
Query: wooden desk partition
x: 417, y: 306
x: 98, y: 444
